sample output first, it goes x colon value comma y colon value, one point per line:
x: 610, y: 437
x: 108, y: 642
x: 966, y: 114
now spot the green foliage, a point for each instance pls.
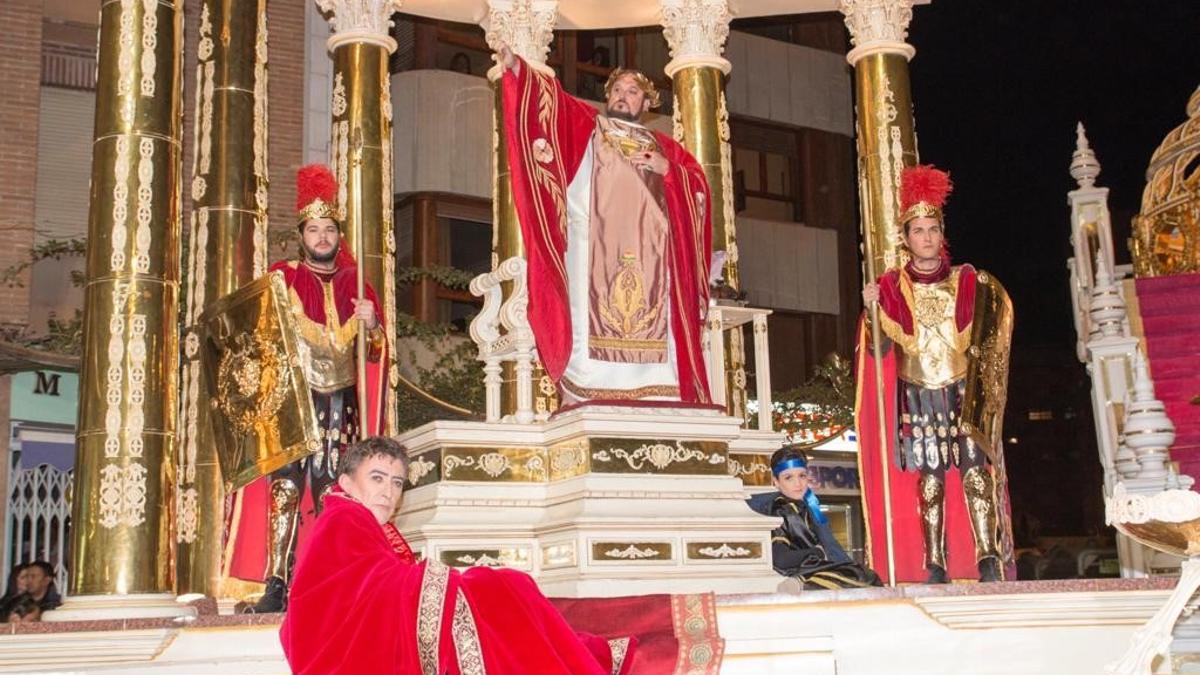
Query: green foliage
x: 61, y: 336
x: 820, y: 408
x: 450, y: 277
x: 455, y: 377
x: 54, y: 249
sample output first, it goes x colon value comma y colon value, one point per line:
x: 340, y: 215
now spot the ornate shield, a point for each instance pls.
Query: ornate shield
x: 262, y: 411
x: 987, y: 369
x: 987, y: 391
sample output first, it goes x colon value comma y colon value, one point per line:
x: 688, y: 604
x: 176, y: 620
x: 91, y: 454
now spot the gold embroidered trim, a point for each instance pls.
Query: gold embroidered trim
x: 700, y: 645
x: 620, y: 394
x: 466, y: 638
x: 340, y: 335
x: 623, y: 343
x: 429, y: 615
x: 619, y: 648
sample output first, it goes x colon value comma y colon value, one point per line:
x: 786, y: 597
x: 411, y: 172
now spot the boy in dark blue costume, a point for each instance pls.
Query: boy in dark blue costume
x: 804, y: 547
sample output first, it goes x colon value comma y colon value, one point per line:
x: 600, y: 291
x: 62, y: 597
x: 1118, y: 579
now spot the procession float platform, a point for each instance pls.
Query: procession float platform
x: 1070, y: 626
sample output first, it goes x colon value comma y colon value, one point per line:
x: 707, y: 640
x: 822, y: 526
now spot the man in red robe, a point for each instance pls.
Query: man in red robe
x: 361, y: 603
x: 617, y: 233
x: 926, y: 316
x: 322, y: 284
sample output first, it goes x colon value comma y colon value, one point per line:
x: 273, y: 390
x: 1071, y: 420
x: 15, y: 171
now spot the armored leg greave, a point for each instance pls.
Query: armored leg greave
x: 933, y: 518
x: 979, y: 488
x: 281, y: 526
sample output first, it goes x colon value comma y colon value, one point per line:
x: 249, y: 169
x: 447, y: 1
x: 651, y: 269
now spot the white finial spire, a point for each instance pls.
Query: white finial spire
x: 1148, y: 431
x: 1084, y: 165
x: 1107, y: 306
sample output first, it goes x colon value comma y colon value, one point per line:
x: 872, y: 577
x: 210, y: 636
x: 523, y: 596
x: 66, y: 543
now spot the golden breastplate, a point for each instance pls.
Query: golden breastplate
x: 939, y: 354
x: 326, y: 350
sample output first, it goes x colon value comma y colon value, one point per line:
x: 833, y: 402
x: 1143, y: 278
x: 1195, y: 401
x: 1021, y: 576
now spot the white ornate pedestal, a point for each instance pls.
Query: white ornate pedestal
x: 1168, y: 521
x: 598, y: 501
x: 601, y: 500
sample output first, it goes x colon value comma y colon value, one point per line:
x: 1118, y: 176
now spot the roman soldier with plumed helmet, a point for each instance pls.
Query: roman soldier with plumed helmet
x: 926, y: 315
x: 328, y: 316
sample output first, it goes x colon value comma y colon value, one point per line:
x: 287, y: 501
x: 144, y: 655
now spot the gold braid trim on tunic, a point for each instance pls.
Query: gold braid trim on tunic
x: 328, y: 349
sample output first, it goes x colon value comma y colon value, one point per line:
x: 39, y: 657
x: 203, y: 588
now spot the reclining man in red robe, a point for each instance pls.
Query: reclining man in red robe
x: 360, y: 603
x: 616, y: 224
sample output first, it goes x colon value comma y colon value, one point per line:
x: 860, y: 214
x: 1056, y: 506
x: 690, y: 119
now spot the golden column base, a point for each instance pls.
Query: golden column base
x: 122, y: 511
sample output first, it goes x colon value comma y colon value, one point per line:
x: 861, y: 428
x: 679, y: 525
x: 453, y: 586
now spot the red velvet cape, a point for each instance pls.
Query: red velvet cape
x: 906, y: 511
x: 537, y: 110
x: 246, y: 527
x: 360, y: 604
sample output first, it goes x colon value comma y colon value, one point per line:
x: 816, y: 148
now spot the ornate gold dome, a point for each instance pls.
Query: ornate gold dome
x: 1166, y: 234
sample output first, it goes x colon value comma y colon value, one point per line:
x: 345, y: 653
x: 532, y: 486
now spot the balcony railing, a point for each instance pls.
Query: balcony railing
x: 68, y: 66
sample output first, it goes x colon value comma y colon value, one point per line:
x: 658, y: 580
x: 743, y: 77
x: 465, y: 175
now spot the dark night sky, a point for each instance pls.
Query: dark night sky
x: 998, y: 86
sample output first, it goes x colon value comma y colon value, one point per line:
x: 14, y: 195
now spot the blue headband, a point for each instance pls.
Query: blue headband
x: 789, y: 463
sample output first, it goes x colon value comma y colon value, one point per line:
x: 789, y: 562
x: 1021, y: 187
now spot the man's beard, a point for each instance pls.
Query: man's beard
x: 622, y: 115
x: 321, y: 258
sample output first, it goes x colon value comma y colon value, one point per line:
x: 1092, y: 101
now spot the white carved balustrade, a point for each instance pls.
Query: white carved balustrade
x: 502, y: 333
x: 722, y: 318
x: 1110, y: 350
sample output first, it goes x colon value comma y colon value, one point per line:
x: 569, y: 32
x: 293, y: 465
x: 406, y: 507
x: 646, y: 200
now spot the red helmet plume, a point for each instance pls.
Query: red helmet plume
x: 923, y: 192
x: 316, y: 192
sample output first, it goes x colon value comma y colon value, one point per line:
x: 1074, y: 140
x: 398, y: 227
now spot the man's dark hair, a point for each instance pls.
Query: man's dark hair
x: 785, y: 453
x: 46, y: 567
x: 373, y: 446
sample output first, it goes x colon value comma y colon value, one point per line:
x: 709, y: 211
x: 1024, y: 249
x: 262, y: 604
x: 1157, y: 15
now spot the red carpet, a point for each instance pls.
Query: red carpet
x: 1170, y: 311
x: 676, y: 634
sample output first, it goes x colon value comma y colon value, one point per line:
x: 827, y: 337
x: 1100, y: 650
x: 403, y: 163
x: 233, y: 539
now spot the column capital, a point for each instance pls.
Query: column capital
x: 696, y: 31
x: 368, y: 21
x: 877, y: 27
x: 526, y: 26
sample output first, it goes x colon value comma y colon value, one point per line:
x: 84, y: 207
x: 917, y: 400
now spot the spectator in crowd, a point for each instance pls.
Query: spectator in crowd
x: 804, y: 546
x: 14, y: 590
x: 39, y: 584
x: 461, y: 63
x: 591, y: 85
x: 16, y: 583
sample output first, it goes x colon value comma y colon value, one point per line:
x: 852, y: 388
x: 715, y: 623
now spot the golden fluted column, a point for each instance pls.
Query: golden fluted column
x: 122, y: 510
x: 696, y: 31
x: 886, y: 133
x: 887, y: 143
x: 361, y: 148
x: 527, y: 27
x: 227, y: 248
